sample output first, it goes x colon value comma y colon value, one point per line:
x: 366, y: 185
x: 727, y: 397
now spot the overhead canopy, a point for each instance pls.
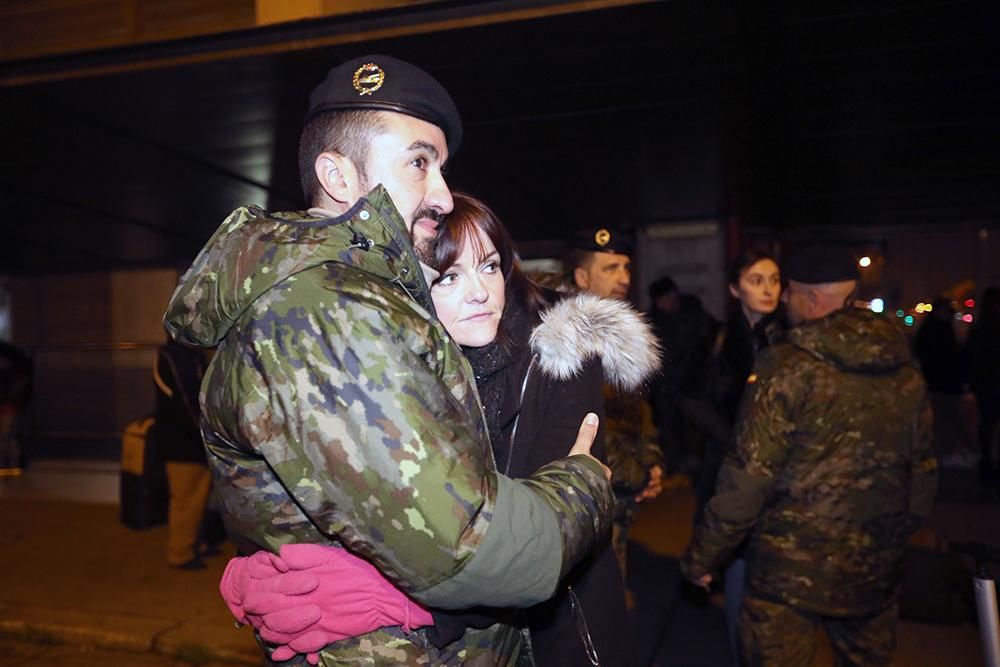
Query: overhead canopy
x: 627, y: 114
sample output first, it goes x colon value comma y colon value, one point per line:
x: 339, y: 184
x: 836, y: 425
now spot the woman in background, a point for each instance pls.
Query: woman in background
x: 756, y: 321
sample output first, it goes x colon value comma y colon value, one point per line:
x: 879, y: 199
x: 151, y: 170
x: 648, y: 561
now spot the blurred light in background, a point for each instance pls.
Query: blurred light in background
x: 865, y: 261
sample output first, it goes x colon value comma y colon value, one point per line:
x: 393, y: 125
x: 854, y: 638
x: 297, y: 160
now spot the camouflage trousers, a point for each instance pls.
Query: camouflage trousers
x: 777, y: 635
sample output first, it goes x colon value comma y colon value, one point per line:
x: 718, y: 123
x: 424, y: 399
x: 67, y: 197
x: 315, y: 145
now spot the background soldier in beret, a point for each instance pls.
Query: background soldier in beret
x: 338, y: 411
x: 831, y: 473
x: 600, y: 263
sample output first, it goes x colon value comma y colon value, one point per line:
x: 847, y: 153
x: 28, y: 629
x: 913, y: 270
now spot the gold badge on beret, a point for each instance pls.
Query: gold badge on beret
x: 602, y: 237
x: 368, y: 78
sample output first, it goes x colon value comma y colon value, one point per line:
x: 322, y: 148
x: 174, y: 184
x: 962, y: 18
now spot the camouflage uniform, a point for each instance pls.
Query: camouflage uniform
x: 831, y: 473
x: 338, y: 411
x: 631, y: 443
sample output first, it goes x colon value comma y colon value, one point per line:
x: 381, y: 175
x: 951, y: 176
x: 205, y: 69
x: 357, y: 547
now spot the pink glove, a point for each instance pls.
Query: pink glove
x: 313, y: 595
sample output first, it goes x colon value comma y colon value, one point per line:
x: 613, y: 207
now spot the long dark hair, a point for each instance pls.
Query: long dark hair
x: 460, y: 226
x: 744, y: 261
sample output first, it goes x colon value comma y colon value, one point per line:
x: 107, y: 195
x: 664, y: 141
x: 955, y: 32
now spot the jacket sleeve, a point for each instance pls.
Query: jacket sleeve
x: 749, y: 472
x: 649, y: 453
x: 368, y: 420
x: 923, y: 466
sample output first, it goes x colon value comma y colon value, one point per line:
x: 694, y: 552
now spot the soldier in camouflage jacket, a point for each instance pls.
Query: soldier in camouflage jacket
x: 831, y: 473
x: 338, y: 411
x: 600, y: 264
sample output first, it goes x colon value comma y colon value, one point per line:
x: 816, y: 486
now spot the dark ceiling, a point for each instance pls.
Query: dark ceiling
x: 781, y: 113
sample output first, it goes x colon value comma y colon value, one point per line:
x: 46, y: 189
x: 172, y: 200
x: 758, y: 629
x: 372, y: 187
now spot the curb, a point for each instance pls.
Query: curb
x: 133, y: 634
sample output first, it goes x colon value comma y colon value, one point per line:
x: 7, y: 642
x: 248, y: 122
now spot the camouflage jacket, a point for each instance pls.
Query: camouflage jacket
x: 831, y: 472
x: 338, y: 411
x: 630, y: 439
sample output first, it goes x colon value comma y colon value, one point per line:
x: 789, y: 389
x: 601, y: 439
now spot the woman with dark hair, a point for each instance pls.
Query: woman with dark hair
x: 755, y: 321
x: 539, y: 368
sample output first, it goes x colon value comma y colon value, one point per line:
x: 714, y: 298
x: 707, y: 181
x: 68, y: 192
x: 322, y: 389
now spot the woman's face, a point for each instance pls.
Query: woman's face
x: 469, y: 295
x: 759, y: 289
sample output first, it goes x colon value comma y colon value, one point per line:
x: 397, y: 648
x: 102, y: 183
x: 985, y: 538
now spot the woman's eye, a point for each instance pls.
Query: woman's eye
x: 419, y: 163
x: 447, y: 279
x: 491, y: 267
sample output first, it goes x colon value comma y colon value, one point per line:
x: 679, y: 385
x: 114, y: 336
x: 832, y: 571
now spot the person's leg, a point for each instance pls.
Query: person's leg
x: 189, y: 487
x: 733, y: 577
x: 864, y: 642
x: 775, y: 635
x: 10, y: 454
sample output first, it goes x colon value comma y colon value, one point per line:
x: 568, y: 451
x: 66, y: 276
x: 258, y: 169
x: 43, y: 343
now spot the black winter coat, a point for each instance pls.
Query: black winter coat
x: 581, y: 340
x: 176, y: 431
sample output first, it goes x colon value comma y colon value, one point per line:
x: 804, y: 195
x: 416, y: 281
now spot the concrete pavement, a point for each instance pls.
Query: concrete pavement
x: 73, y: 574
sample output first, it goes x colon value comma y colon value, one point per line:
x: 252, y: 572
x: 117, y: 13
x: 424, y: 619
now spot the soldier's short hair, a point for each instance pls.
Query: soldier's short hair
x: 349, y: 133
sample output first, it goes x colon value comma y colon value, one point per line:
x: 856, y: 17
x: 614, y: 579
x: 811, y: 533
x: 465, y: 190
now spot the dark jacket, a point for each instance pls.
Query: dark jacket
x: 553, y: 383
x: 178, y: 373
x: 940, y: 356
x: 832, y: 469
x: 736, y: 352
x: 730, y: 364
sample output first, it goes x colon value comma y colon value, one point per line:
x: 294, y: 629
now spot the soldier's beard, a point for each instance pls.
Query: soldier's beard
x: 424, y: 247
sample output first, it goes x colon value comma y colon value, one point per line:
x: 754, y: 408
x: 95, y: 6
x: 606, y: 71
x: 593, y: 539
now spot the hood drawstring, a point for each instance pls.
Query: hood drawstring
x: 360, y: 241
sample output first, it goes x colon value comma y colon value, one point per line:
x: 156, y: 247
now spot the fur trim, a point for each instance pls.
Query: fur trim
x: 583, y: 326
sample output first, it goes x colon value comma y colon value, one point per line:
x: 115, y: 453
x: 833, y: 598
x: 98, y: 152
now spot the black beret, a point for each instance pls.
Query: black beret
x: 817, y: 264
x: 603, y: 240
x: 383, y: 83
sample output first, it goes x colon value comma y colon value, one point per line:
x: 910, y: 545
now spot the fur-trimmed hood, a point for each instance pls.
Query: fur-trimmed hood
x: 583, y: 326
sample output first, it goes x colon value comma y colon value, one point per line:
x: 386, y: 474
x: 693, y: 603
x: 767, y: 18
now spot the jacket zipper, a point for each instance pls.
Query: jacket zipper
x: 582, y: 628
x: 517, y: 419
x: 576, y: 608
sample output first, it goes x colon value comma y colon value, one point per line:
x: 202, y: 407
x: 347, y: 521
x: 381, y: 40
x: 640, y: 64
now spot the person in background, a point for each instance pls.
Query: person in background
x: 601, y: 264
x: 755, y: 322
x: 176, y: 435
x: 983, y: 345
x: 16, y: 375
x: 539, y: 367
x: 680, y: 396
x: 942, y: 361
x: 832, y: 472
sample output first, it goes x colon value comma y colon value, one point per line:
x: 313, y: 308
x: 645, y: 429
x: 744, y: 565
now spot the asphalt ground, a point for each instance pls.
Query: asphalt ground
x: 79, y: 588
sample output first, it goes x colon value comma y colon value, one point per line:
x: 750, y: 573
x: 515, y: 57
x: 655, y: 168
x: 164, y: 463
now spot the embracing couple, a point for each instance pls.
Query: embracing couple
x: 399, y: 422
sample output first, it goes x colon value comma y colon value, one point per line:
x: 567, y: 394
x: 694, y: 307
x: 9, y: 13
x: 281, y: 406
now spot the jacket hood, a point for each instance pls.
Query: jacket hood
x: 853, y: 340
x: 584, y: 326
x: 252, y: 251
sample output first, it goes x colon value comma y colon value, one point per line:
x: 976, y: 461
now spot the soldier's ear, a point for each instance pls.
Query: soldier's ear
x: 581, y: 278
x: 338, y: 177
x: 815, y: 298
x: 735, y: 292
